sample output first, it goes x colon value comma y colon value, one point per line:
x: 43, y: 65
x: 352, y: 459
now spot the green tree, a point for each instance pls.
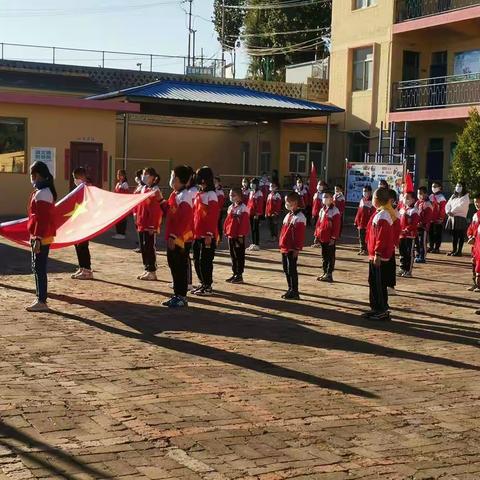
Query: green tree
x: 466, y: 159
x: 233, y: 21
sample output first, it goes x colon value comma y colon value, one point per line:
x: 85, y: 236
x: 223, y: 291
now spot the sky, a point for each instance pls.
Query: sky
x: 140, y: 26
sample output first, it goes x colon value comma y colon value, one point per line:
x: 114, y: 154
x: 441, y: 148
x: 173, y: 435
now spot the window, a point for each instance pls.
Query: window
x: 359, y: 145
x: 303, y: 154
x: 12, y: 145
x: 364, y: 3
x: 265, y: 157
x: 362, y: 68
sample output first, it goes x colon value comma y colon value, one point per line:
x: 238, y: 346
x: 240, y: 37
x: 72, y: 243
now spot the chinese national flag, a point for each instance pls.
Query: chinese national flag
x: 408, y: 182
x: 312, y: 185
x: 83, y: 214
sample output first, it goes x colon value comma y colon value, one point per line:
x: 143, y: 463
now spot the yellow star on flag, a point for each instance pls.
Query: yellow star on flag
x: 77, y: 210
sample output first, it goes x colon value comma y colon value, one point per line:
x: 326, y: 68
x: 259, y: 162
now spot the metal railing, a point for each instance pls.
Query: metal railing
x: 410, y: 9
x: 151, y: 62
x: 437, y: 92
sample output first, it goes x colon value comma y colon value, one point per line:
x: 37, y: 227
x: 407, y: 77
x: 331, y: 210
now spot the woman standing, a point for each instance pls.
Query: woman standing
x: 41, y: 226
x: 457, y: 211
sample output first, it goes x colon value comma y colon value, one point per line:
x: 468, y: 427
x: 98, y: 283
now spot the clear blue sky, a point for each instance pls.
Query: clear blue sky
x: 121, y: 25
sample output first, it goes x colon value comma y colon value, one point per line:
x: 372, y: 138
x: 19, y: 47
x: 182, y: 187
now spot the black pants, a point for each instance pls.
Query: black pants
x: 188, y: 248
x: 237, y: 254
x: 362, y: 232
x: 328, y: 254
x: 255, y: 228
x: 39, y: 269
x: 220, y: 226
x: 121, y: 226
x: 178, y: 263
x: 83, y: 255
x: 435, y: 236
x: 147, y: 247
x: 458, y: 239
x: 421, y: 243
x: 406, y: 248
x: 308, y: 214
x: 378, y: 283
x: 273, y: 225
x: 203, y: 259
x: 391, y: 277
x: 291, y: 272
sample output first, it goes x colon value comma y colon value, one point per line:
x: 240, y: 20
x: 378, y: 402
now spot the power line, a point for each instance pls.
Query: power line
x: 278, y: 6
x: 268, y: 34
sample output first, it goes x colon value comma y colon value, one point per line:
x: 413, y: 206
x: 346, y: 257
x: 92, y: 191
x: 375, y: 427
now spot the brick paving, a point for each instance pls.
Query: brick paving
x: 242, y: 384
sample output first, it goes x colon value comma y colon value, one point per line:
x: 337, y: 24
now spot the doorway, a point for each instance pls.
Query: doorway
x: 435, y: 160
x: 89, y: 156
x: 411, y: 65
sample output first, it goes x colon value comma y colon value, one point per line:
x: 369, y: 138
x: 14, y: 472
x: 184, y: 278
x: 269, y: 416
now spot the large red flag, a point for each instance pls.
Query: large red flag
x: 312, y: 185
x: 408, y: 182
x: 83, y: 214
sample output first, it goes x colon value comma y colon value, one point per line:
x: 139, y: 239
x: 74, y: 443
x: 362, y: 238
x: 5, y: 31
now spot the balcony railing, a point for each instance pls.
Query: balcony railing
x: 410, y: 9
x: 438, y: 92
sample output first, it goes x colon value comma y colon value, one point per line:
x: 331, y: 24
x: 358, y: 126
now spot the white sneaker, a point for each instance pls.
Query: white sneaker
x: 139, y: 277
x: 37, y: 307
x: 391, y: 291
x: 85, y: 275
x: 170, y: 285
x: 149, y: 277
x: 118, y: 236
x: 255, y: 248
x: 76, y: 274
x: 249, y: 248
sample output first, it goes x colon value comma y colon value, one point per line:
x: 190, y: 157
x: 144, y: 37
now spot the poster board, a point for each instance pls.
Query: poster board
x: 46, y: 155
x: 359, y: 175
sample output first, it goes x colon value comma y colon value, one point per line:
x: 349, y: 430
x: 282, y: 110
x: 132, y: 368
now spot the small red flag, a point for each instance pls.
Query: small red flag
x: 408, y: 182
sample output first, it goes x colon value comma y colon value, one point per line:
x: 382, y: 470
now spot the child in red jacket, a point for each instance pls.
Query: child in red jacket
x: 340, y: 203
x: 425, y: 210
x: 121, y: 187
x: 148, y: 220
x: 292, y: 238
x: 327, y: 232
x: 472, y: 234
x: 255, y: 206
x: 273, y: 210
x: 178, y: 234
x: 409, y: 219
x: 205, y: 219
x: 42, y: 229
x: 237, y: 226
x: 381, y: 247
x: 439, y: 202
x: 245, y: 190
x: 364, y: 213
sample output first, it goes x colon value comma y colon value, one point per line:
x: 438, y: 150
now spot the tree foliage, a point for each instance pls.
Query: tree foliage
x: 466, y: 159
x: 260, y: 28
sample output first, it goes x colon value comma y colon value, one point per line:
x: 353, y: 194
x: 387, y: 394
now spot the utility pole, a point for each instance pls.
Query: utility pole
x: 223, y: 38
x: 189, y: 32
x: 194, y: 32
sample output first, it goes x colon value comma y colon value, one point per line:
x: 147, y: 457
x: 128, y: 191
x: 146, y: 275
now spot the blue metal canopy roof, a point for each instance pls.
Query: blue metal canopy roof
x: 216, y: 97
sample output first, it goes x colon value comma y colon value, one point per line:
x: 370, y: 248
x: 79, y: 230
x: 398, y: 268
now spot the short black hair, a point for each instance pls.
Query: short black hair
x: 205, y: 175
x: 383, y: 195
x: 392, y: 194
x: 383, y: 182
x: 328, y: 192
x: 138, y: 173
x: 368, y: 188
x: 422, y: 189
x: 339, y: 186
x: 79, y: 172
x: 438, y: 184
x: 183, y: 173
x: 293, y: 197
x: 476, y: 196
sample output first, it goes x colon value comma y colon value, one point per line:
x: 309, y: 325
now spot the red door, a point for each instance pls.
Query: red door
x: 89, y: 156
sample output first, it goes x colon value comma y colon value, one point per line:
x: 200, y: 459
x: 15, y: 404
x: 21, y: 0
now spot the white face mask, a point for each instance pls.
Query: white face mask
x: 458, y: 189
x: 145, y: 178
x: 77, y: 181
x: 231, y: 198
x: 300, y: 186
x: 253, y: 187
x: 435, y: 189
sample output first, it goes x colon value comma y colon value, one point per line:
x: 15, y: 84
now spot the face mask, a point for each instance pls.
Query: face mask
x: 172, y: 181
x: 253, y: 186
x: 231, y: 198
x: 288, y: 206
x: 366, y: 194
x: 77, y: 182
x: 410, y: 203
x: 320, y: 188
x: 435, y: 189
x: 145, y: 178
x: 458, y: 189
x: 300, y: 186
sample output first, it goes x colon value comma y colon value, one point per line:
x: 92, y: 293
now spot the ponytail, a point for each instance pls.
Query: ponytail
x: 42, y: 170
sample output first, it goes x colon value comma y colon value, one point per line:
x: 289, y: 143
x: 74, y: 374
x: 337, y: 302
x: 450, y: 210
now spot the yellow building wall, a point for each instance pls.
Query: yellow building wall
x: 52, y: 127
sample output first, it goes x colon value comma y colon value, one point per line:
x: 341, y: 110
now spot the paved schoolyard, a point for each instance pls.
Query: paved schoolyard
x: 242, y: 384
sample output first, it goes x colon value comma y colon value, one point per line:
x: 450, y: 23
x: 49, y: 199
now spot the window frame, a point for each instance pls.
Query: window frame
x: 367, y: 69
x: 364, y: 4
x: 306, y: 152
x: 25, y: 145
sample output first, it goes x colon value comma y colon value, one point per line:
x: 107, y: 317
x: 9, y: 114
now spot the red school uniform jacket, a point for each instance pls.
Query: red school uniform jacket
x: 122, y: 187
x: 328, y: 224
x: 221, y: 198
x: 179, y: 211
x: 381, y: 236
x: 304, y: 196
x: 364, y: 213
x: 255, y: 203
x: 439, y: 203
x: 274, y: 204
x: 317, y: 204
x: 339, y: 202
x: 473, y: 227
x: 292, y: 234
x: 205, y: 215
x: 149, y: 213
x: 41, y: 216
x: 237, y: 223
x: 245, y: 195
x: 409, y: 219
x: 425, y: 210
x: 476, y: 251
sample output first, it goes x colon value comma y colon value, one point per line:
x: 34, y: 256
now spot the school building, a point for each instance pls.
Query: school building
x: 407, y: 72
x: 61, y: 114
